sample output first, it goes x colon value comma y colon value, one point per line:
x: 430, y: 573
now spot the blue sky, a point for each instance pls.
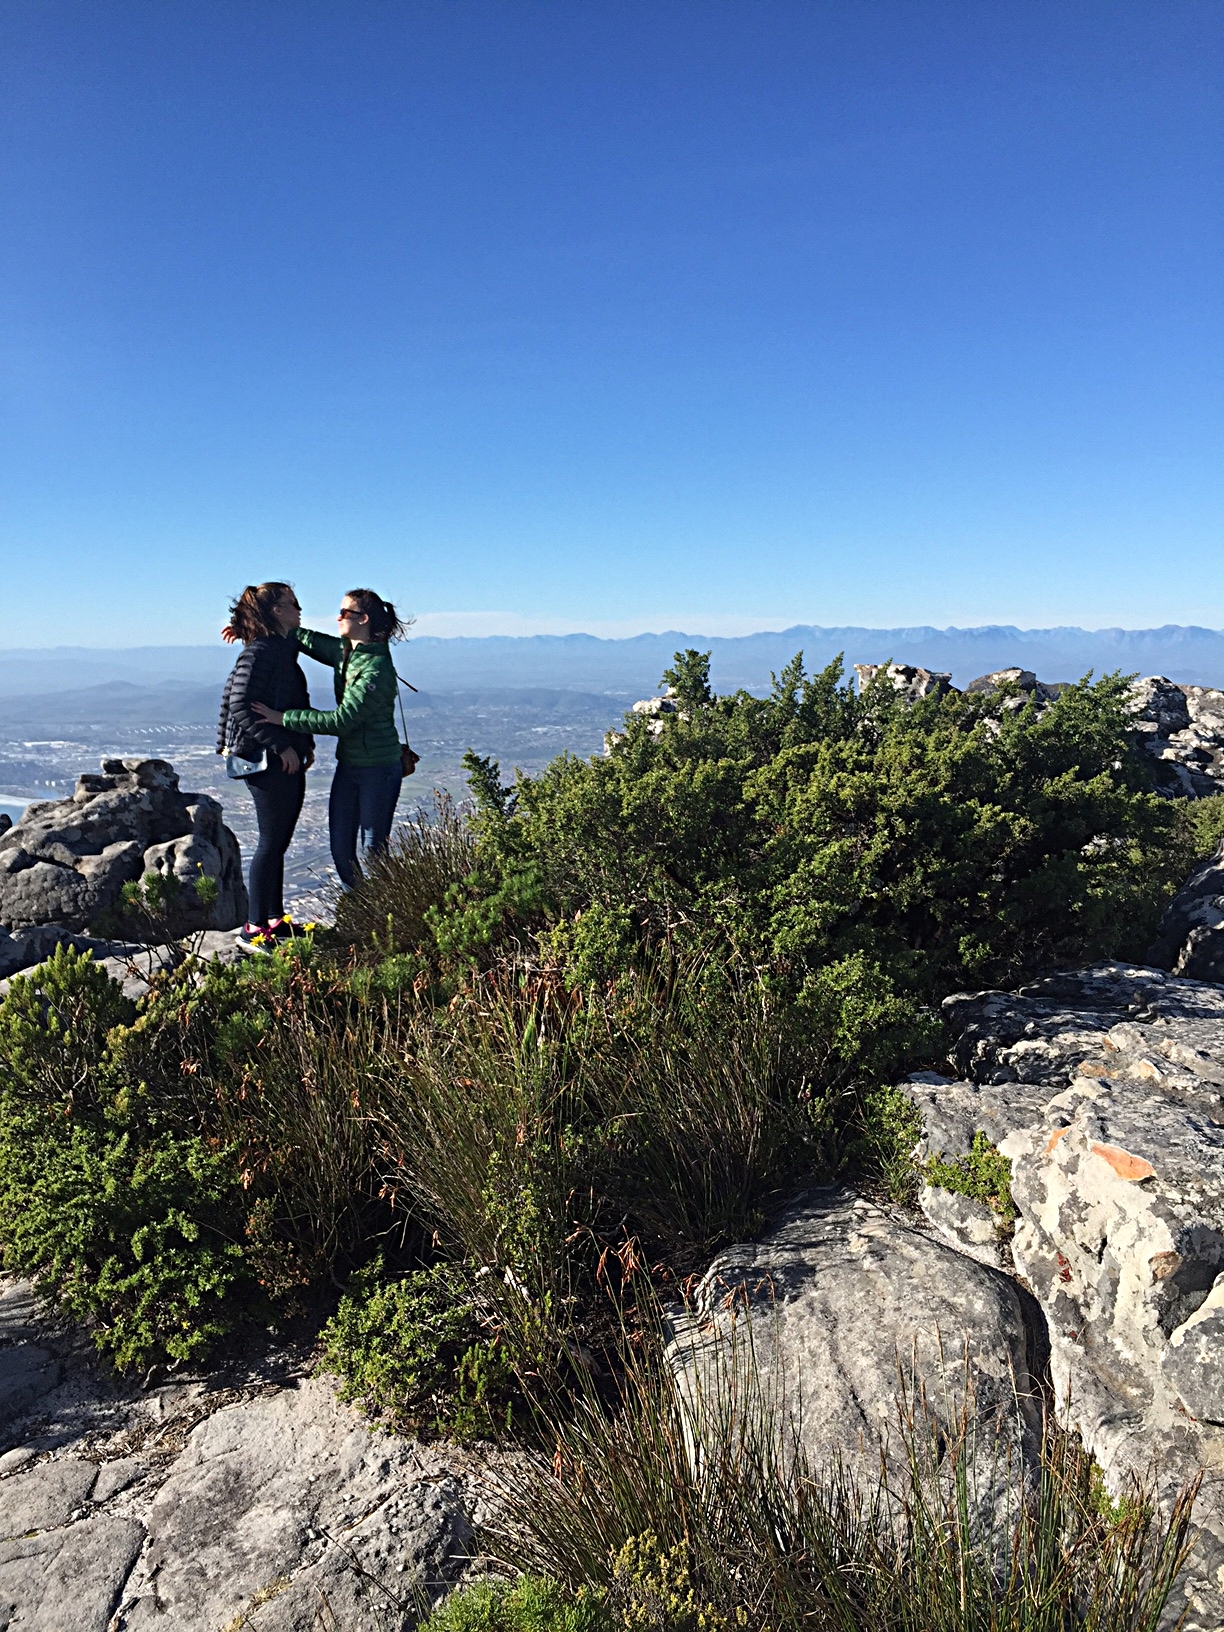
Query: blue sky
x: 590, y: 314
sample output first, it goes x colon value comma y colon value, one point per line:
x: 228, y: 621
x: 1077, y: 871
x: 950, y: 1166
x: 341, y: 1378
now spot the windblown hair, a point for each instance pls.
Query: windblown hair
x: 253, y: 613
x: 385, y: 622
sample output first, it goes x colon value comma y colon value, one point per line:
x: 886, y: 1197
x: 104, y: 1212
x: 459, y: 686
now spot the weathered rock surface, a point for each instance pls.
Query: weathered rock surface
x: 1182, y: 727
x: 910, y: 681
x: 292, y: 1498
x: 1190, y: 940
x: 252, y: 1498
x: 848, y: 1306
x: 67, y: 1580
x: 1105, y: 1089
x: 67, y: 860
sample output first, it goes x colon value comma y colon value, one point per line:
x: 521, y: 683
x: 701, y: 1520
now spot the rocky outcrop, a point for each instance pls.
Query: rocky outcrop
x: 1105, y: 1090
x: 253, y: 1499
x: 66, y: 861
x: 1182, y: 727
x: 910, y: 681
x: 851, y: 1308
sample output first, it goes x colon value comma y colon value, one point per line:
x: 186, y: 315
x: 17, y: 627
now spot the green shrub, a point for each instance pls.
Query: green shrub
x: 984, y: 1174
x: 532, y: 1603
x: 137, y: 1236
x: 889, y: 1127
x: 419, y: 1351
x: 946, y: 843
x: 54, y: 1026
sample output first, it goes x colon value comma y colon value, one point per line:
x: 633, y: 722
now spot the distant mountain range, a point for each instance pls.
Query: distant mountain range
x: 1189, y: 654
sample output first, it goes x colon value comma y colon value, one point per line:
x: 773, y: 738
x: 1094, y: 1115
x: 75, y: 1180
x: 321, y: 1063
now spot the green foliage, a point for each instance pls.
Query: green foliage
x: 124, y: 1220
x: 418, y: 1350
x: 688, y: 679
x: 1203, y: 821
x: 889, y: 1127
x: 532, y: 1603
x: 133, y: 1235
x: 983, y: 1174
x: 53, y: 1029
x: 945, y: 843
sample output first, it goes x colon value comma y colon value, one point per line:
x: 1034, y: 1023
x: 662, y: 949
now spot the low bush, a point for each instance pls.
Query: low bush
x: 125, y: 1218
x: 983, y: 1174
x: 532, y: 1603
x: 423, y: 1352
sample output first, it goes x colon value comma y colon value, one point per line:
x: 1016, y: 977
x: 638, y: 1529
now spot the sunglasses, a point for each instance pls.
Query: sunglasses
x: 351, y: 612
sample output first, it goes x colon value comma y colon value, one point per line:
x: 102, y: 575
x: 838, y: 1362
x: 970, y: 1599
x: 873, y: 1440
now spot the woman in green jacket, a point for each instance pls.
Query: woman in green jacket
x: 366, y: 785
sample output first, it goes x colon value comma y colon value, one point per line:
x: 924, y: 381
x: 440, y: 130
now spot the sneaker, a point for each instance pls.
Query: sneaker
x: 254, y: 938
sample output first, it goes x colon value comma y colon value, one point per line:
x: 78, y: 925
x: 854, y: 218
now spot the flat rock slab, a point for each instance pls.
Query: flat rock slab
x: 851, y: 1309
x: 67, y: 1580
x: 273, y: 1499
x: 45, y: 1496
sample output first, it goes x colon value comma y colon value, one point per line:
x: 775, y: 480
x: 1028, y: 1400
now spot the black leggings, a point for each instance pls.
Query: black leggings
x: 278, y: 804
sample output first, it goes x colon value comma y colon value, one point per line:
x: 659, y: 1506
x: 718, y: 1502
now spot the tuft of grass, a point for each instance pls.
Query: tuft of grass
x: 711, y: 1493
x: 388, y: 912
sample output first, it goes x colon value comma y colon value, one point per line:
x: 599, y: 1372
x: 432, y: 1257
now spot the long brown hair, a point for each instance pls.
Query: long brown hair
x: 385, y: 622
x: 254, y: 612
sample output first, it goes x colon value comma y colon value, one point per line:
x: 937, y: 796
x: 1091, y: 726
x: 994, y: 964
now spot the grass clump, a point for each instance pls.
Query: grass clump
x: 701, y: 1509
x: 983, y: 1174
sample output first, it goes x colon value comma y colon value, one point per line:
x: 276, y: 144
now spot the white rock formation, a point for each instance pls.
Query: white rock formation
x: 1105, y: 1089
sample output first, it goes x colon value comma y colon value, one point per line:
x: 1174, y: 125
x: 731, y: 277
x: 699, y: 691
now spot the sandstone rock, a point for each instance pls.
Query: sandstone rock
x: 1182, y: 727
x: 282, y: 1497
x: 1190, y: 940
x: 1105, y: 1089
x: 910, y: 681
x: 116, y: 1476
x: 67, y: 1580
x: 845, y: 1302
x: 45, y: 1496
x: 66, y: 860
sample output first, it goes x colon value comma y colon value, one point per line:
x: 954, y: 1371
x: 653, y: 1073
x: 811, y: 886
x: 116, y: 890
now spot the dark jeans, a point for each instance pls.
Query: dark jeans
x: 278, y: 804
x: 362, y: 806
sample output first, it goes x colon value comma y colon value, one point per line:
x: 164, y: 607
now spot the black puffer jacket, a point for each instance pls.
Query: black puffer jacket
x: 267, y: 671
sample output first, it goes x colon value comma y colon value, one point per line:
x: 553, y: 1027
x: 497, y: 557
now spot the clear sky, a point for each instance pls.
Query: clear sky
x: 565, y: 314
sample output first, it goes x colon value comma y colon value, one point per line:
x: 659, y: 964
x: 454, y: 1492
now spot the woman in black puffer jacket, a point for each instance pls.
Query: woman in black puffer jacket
x: 264, y: 617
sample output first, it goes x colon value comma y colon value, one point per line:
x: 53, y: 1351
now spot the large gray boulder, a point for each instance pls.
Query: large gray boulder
x: 851, y: 1311
x: 911, y: 681
x: 1105, y: 1090
x: 66, y: 861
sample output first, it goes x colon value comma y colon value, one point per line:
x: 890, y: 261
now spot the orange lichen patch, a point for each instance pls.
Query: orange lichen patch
x: 1123, y: 1163
x: 1092, y: 1068
x: 1164, y: 1264
x: 1147, y: 1071
x: 1054, y: 1138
